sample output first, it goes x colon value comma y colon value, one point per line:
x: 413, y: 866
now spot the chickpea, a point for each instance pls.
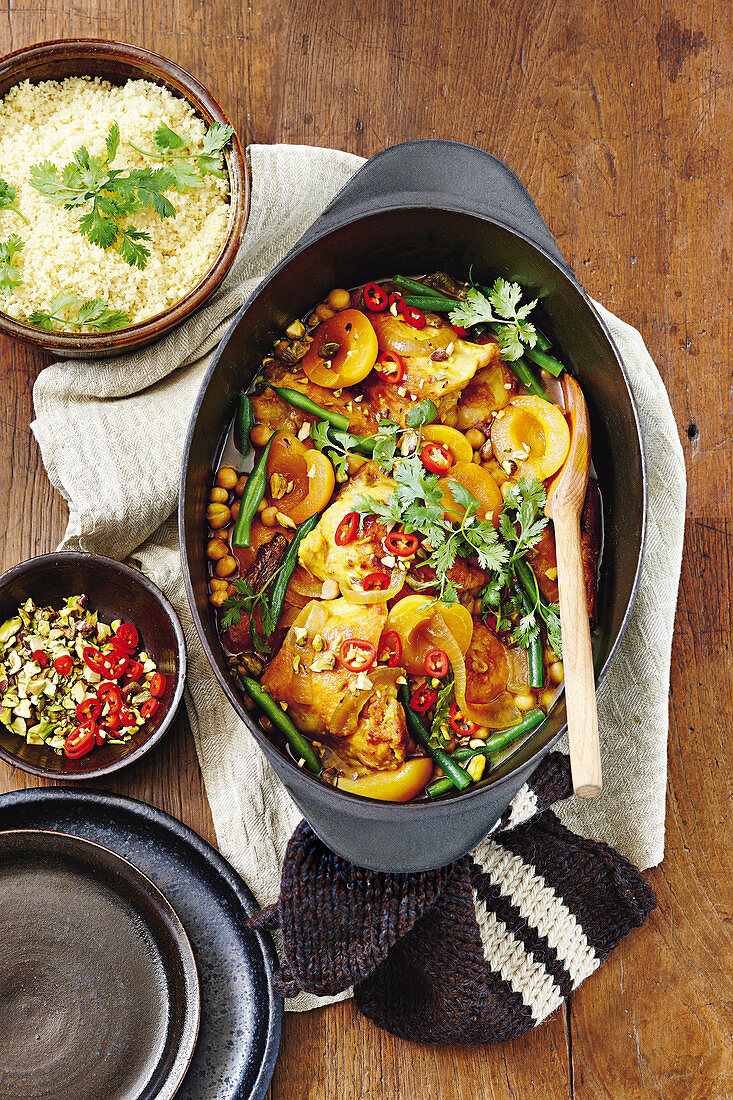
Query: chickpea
x: 476, y: 608
x: 281, y: 348
x: 262, y: 505
x: 218, y: 516
x: 269, y: 516
x: 481, y: 733
x: 338, y: 300
x: 226, y: 566
x: 476, y: 438
x: 240, y: 486
x: 217, y: 584
x: 324, y: 313
x: 551, y: 656
x: 217, y: 598
x: 216, y: 549
x: 524, y: 702
x: 557, y: 672
x: 260, y: 435
x: 487, y: 449
x: 312, y: 320
x: 218, y: 495
x: 235, y: 509
x: 227, y: 477
x: 450, y: 418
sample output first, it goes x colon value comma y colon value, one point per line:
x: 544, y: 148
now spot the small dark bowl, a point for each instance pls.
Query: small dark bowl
x: 115, y: 591
x: 118, y: 62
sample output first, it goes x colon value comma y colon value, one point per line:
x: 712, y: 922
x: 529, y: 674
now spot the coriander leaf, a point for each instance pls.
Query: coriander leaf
x: 44, y: 178
x: 166, y: 139
x: 100, y: 228
x: 130, y: 248
x: 319, y: 435
x: 185, y: 176
x: 446, y: 698
x: 7, y: 200
x: 215, y: 138
x: 462, y: 497
x: 385, y: 444
x: 113, y: 142
x: 9, y: 273
x: 423, y: 413
x: 93, y: 313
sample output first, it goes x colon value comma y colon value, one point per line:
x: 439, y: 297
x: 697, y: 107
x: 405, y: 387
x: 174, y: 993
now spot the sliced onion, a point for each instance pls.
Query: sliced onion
x: 355, y: 595
x: 305, y: 584
x: 455, y: 656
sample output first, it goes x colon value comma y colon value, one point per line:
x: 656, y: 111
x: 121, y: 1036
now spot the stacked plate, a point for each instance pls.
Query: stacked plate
x: 127, y: 969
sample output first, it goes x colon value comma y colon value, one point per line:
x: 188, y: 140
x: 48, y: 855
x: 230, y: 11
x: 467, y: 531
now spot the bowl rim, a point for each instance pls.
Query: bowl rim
x: 49, y: 561
x: 182, y: 83
x: 527, y: 750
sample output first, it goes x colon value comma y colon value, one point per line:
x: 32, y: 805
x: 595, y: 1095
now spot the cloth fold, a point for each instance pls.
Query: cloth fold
x: 111, y: 435
x: 480, y: 951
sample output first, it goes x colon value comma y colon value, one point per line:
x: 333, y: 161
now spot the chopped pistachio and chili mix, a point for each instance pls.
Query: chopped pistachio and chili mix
x: 72, y: 682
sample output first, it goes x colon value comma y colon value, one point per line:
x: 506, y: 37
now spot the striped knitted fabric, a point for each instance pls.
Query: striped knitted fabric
x: 479, y: 951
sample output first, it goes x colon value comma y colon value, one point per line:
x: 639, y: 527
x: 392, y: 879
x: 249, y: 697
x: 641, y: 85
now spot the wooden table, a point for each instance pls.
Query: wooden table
x: 617, y: 116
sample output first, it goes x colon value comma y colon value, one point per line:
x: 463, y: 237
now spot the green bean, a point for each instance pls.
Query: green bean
x: 299, y: 401
x: 455, y: 774
x: 243, y: 425
x: 286, y: 570
x: 423, y: 290
x: 432, y: 303
x: 362, y: 444
x: 542, y: 342
x: 541, y: 359
x: 523, y: 373
x: 526, y: 576
x: 253, y: 494
x: 300, y: 745
x: 534, y: 649
x: 499, y: 741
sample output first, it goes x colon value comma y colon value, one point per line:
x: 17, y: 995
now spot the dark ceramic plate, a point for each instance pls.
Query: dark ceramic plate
x: 239, y: 1033
x: 99, y: 994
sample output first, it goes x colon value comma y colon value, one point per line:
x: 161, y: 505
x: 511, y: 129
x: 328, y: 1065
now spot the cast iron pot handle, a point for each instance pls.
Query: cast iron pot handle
x: 438, y: 173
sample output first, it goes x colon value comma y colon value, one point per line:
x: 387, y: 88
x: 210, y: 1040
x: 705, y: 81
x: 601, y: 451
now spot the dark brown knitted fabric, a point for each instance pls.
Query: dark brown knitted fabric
x: 479, y: 951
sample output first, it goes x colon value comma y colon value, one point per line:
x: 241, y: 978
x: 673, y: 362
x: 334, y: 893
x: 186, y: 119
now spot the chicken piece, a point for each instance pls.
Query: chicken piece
x: 441, y: 379
x: 466, y: 575
x: 320, y: 554
x: 490, y: 389
x: 355, y: 712
x: 270, y: 409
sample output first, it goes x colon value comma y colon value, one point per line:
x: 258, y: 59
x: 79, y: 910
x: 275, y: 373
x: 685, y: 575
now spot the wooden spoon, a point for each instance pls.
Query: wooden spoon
x: 565, y: 498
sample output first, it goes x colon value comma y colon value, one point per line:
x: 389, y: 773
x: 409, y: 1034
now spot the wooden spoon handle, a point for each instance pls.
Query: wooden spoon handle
x: 580, y: 688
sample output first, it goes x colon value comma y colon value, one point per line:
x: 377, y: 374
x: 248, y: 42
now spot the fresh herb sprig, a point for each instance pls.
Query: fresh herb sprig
x: 446, y: 698
x: 521, y: 524
x: 499, y: 307
x: 178, y: 153
x: 9, y: 274
x: 7, y: 200
x: 245, y: 602
x: 94, y: 313
x: 115, y: 196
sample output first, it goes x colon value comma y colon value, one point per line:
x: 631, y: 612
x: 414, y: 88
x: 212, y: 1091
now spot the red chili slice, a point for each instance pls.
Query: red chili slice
x: 110, y: 694
x: 460, y: 331
x: 157, y: 685
x: 460, y: 725
x: 376, y: 582
x: 401, y: 544
x: 390, y: 648
x: 63, y: 664
x: 127, y: 718
x: 88, y: 710
x: 80, y: 741
x: 133, y: 671
x: 357, y: 655
x: 347, y: 530
x: 390, y: 367
x: 114, y: 664
x: 149, y: 707
x: 396, y: 299
x: 436, y: 663
x: 414, y: 317
x: 437, y: 458
x: 100, y: 735
x: 40, y: 657
x: 375, y: 299
x: 112, y: 720
x: 93, y: 659
x: 423, y: 699
x: 126, y: 636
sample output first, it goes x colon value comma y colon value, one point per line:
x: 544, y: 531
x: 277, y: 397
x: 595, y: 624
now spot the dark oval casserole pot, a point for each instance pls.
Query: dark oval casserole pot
x: 419, y: 207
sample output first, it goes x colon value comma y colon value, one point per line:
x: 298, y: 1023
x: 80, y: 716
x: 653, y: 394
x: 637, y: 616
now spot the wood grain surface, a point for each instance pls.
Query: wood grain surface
x: 617, y: 116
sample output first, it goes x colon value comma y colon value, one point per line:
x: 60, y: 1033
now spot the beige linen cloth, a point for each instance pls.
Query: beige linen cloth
x: 112, y: 432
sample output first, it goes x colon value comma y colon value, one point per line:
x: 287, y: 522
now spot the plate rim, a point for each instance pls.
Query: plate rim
x: 233, y: 881
x: 189, y: 1032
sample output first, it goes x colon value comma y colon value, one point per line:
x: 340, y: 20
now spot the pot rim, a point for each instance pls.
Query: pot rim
x: 529, y: 749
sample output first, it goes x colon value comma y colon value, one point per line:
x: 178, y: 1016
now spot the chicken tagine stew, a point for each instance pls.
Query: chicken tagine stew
x: 384, y: 574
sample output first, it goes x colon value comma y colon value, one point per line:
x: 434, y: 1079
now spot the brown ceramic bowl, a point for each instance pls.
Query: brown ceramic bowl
x: 117, y: 592
x: 118, y: 63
